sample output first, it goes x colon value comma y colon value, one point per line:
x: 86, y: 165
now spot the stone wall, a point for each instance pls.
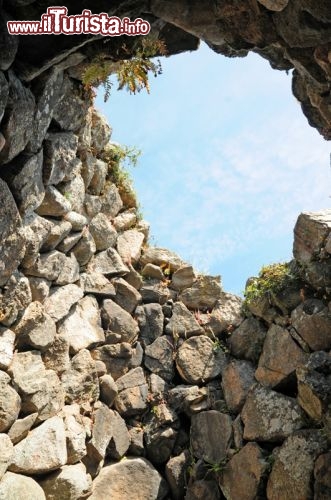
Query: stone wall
x: 124, y: 374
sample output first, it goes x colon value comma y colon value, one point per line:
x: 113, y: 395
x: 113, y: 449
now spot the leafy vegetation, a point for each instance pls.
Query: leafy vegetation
x: 271, y: 280
x: 119, y: 160
x: 132, y: 73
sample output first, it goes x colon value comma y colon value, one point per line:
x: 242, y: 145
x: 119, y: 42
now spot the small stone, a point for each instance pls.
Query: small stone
x: 189, y: 399
x: 211, y: 435
x: 108, y: 390
x: 125, y: 220
x: 108, y: 262
x: 80, y: 381
x: 7, y: 342
x: 70, y: 111
x: 137, y: 441
x: 246, y: 342
x: 198, y: 360
x: 70, y: 482
x: 60, y: 229
x: 314, y: 392
x: 132, y: 393
x: 160, y: 433
x: 280, y: 357
x: 161, y: 256
x: 85, y: 248
x: 226, y: 315
x: 159, y: 358
x: 176, y: 471
x: 43, y: 450
x: 129, y: 245
x: 202, y: 489
x: 54, y: 203
x: 133, y: 277
x: 237, y: 379
x: 312, y: 321
x: 117, y: 357
x: 150, y: 320
x: 92, y: 205
x: 36, y: 328
x: 130, y: 478
x: 270, y: 416
x: 76, y: 433
x: 183, y: 278
x: 39, y: 289
x: 100, y: 132
x: 117, y: 320
x: 250, y: 465
x: 182, y: 323
x: 61, y: 299
x: 70, y: 241
x: 74, y: 192
x: 152, y: 271
x: 274, y: 5
x: 10, y: 403
x: 16, y: 297
x: 97, y: 284
x: 154, y: 291
x: 15, y: 486
x: 48, y: 266
x: 59, y: 152
x: 56, y: 357
x: 20, y: 429
x: 78, y: 222
x: 111, y: 201
x: 7, y: 451
x: 126, y: 296
x: 104, y: 234
x: 292, y: 473
x: 97, y: 183
x: 203, y: 294
x: 36, y: 230
x: 82, y: 327
x: 69, y: 273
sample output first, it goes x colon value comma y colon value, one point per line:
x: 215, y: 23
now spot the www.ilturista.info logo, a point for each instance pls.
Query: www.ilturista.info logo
x: 56, y: 22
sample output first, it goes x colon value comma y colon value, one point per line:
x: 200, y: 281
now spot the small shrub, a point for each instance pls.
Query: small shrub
x: 271, y: 280
x: 132, y: 73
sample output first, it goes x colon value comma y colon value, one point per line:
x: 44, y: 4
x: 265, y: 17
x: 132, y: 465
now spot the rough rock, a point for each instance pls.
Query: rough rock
x: 129, y: 245
x: 280, y: 357
x: 159, y: 357
x: 17, y: 124
x: 132, y: 393
x: 40, y: 389
x: 4, y: 92
x: 292, y: 473
x: 16, y: 297
x: 118, y: 358
x: 71, y: 109
x: 111, y: 201
x: 7, y: 341
x: 78, y: 222
x: 98, y: 180
x: 92, y: 206
x: 54, y: 204
x: 136, y: 441
x: 237, y: 379
x: 43, y: 450
x: 108, y: 389
x: 85, y: 248
x: 126, y: 296
x: 69, y: 273
x: 47, y: 92
x: 203, y: 489
x: 273, y: 5
x: 310, y: 233
x: 225, y: 316
x: 36, y: 328
x: 26, y: 182
x: 119, y: 321
x: 39, y: 289
x: 133, y: 277
x: 160, y: 433
x: 246, y: 342
x: 175, y: 472
x: 10, y: 403
x: 8, y: 43
x: 183, y: 277
x: 154, y: 291
x: 7, y: 451
x: 80, y: 382
x: 36, y: 230
x: 211, y: 435
x: 108, y: 262
x: 189, y: 399
x: 322, y: 488
x: 131, y: 478
x: 70, y: 482
x: 314, y: 391
x: 270, y: 416
x: 56, y: 357
x: 74, y: 192
x: 161, y: 256
x: 59, y: 230
x: 182, y: 323
x: 125, y: 220
x: 100, y: 132
x: 150, y: 320
x: 153, y: 271
x: 203, y: 294
x: 59, y: 152
x: 250, y: 466
x: 61, y: 299
x: 47, y: 265
x: 104, y: 234
x: 20, y: 429
x: 198, y: 360
x: 97, y: 284
x: 14, y: 486
x: 12, y: 243
x: 312, y: 321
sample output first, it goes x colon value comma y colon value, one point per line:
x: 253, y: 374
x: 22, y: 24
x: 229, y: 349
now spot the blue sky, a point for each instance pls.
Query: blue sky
x: 228, y: 161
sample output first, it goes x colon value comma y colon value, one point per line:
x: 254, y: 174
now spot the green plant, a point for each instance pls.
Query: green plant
x: 132, y: 73
x: 271, y: 279
x: 217, y: 467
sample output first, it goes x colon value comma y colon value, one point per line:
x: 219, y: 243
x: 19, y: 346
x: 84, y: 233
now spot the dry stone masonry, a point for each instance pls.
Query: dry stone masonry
x: 123, y: 373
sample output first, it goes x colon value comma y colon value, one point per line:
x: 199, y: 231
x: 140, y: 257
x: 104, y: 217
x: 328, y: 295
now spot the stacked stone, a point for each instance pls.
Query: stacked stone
x: 123, y: 373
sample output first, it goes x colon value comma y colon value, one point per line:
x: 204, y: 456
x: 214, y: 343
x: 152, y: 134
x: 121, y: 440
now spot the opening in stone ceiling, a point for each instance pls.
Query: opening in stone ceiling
x: 228, y: 161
